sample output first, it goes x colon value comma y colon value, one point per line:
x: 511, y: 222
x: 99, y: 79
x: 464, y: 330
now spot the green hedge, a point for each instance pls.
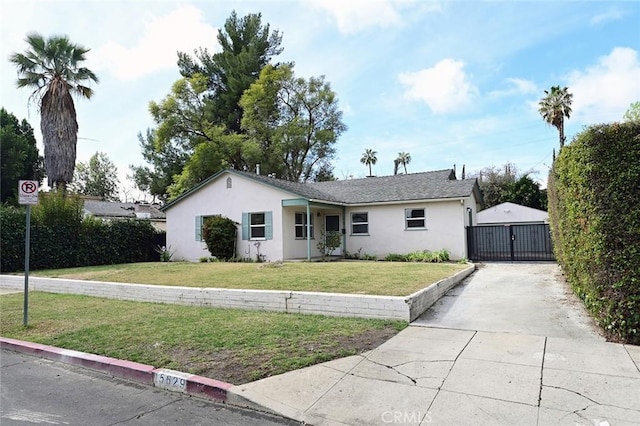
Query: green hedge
x: 594, y: 210
x: 56, y: 243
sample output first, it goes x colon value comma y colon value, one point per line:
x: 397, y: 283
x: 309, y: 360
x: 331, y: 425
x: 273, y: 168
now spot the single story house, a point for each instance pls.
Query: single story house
x: 283, y: 220
x: 512, y: 214
x: 110, y: 210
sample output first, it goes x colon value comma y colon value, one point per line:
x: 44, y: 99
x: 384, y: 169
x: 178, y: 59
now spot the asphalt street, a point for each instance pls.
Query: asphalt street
x: 38, y: 391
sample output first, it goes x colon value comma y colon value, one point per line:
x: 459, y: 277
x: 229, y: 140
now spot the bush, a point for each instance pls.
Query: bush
x: 595, y: 223
x: 61, y: 237
x: 220, y: 234
x: 420, y: 256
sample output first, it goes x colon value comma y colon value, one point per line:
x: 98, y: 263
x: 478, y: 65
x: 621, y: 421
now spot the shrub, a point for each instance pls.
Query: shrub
x: 61, y: 237
x: 420, y: 256
x: 220, y: 235
x: 595, y: 223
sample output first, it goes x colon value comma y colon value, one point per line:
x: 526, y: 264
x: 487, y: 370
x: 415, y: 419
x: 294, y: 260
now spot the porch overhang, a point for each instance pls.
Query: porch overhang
x: 308, y: 203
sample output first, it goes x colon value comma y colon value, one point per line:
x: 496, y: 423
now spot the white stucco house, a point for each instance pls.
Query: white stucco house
x: 512, y: 214
x: 282, y: 220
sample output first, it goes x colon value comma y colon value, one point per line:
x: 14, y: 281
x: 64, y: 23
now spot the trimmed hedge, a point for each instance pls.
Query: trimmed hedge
x: 220, y: 234
x: 56, y: 243
x: 594, y: 211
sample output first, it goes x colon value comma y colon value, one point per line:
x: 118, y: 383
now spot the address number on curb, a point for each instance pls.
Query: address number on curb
x: 171, y: 380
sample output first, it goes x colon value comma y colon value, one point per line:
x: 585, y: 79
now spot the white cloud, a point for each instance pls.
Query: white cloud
x: 355, y: 15
x: 604, y: 91
x: 515, y: 86
x: 608, y: 16
x: 183, y: 29
x: 444, y: 87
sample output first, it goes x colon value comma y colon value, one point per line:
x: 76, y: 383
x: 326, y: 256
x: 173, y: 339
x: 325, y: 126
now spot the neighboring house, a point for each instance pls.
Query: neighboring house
x: 282, y: 220
x: 511, y: 214
x: 109, y: 210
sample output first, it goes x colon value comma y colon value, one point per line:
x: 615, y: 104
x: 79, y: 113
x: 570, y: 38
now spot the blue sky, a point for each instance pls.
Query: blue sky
x: 453, y: 82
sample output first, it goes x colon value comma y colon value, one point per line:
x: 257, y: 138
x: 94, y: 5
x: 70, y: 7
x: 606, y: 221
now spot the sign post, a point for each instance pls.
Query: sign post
x: 27, y: 194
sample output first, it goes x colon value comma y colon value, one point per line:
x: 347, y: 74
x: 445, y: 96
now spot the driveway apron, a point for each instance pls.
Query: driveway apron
x: 527, y: 298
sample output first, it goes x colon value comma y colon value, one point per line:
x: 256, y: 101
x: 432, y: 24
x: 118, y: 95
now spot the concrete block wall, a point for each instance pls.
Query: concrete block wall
x: 333, y: 304
x: 422, y: 300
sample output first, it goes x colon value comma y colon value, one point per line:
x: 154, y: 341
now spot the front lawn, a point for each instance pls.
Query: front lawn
x: 375, y: 278
x: 235, y: 346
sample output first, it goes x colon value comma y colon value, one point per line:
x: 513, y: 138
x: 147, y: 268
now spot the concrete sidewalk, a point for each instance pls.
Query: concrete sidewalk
x: 458, y: 377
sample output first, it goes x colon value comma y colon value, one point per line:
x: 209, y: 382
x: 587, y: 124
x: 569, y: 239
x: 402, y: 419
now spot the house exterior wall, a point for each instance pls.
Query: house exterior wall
x: 297, y: 248
x: 445, y: 222
x: 216, y: 198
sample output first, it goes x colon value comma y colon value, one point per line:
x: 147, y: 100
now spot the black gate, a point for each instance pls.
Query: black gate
x: 509, y: 242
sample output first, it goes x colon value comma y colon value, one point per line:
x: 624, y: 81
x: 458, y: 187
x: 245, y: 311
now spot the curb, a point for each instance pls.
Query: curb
x: 171, y: 380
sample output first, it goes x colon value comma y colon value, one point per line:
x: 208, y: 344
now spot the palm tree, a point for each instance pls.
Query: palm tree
x: 554, y: 107
x: 52, y: 68
x: 404, y: 158
x: 369, y: 158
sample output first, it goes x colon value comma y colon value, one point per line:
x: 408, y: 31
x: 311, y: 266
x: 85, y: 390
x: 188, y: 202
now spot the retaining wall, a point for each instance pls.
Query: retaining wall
x: 406, y: 308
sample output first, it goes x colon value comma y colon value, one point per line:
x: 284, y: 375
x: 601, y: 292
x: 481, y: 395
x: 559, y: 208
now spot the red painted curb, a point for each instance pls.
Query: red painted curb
x: 142, y: 373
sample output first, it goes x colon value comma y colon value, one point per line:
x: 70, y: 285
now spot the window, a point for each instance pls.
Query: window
x: 360, y: 223
x: 414, y: 219
x: 257, y: 226
x: 229, y: 183
x: 301, y: 226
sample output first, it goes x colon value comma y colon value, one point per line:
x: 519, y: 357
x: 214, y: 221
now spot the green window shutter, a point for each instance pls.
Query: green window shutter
x: 268, y: 222
x: 245, y: 226
x: 198, y: 228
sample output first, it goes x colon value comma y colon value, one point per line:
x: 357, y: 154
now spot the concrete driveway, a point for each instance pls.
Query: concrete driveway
x: 525, y: 298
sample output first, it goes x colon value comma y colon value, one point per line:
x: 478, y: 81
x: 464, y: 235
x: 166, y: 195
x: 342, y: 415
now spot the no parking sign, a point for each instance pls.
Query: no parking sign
x: 28, y: 192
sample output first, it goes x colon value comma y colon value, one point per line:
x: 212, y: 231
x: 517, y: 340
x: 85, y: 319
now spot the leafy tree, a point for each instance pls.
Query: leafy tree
x: 165, y: 162
x: 98, y: 177
x: 403, y: 159
x: 526, y: 192
x: 633, y: 113
x: 554, y: 107
x: 202, y: 105
x: 207, y: 159
x: 19, y: 156
x: 294, y: 121
x: 52, y: 67
x: 501, y: 185
x: 369, y: 158
x: 247, y: 47
x: 324, y: 173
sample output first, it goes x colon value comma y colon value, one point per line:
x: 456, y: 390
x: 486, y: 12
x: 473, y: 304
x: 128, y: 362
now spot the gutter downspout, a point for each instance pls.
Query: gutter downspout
x: 344, y: 234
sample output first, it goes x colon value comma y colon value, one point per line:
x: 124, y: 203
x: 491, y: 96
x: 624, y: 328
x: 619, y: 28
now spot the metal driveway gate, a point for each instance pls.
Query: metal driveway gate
x: 509, y: 242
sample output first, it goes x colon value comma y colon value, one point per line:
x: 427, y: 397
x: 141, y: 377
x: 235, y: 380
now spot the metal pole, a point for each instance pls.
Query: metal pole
x: 27, y: 244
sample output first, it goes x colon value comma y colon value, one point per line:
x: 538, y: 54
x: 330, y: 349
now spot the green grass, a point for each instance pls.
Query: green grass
x: 375, y: 278
x: 232, y: 345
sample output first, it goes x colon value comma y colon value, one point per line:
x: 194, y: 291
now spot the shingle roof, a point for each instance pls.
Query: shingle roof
x: 414, y: 186
x: 437, y: 184
x: 118, y: 210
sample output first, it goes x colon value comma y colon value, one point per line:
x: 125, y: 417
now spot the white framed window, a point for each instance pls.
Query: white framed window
x: 415, y: 219
x: 257, y: 226
x: 360, y: 223
x: 301, y: 226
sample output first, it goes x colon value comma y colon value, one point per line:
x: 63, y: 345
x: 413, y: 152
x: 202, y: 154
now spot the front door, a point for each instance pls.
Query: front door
x: 332, y: 231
